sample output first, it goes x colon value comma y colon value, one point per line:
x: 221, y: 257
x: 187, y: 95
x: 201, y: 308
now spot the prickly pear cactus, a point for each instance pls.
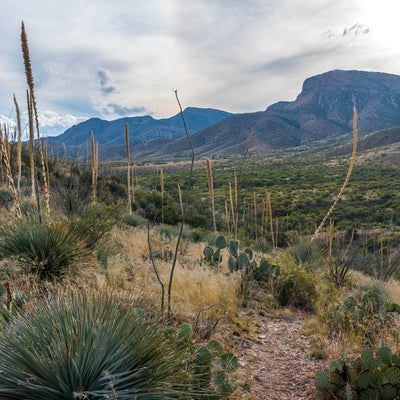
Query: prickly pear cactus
x: 322, y: 381
x: 385, y: 355
x: 365, y: 378
x: 212, y: 253
x: 367, y: 359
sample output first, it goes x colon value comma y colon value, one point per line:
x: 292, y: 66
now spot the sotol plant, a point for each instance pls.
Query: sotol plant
x: 89, y: 347
x: 44, y: 249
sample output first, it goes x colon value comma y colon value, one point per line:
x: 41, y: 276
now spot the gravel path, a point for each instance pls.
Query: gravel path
x: 278, y: 365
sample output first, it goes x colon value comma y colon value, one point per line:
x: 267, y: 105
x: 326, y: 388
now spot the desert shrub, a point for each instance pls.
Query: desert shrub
x: 104, y: 250
x: 101, y: 348
x: 28, y: 208
x: 95, y: 221
x: 194, y: 235
x: 45, y: 249
x: 72, y: 190
x: 306, y: 252
x: 378, y: 257
x: 295, y: 286
x: 166, y: 231
x: 132, y: 219
x: 6, y: 197
x: 364, y: 316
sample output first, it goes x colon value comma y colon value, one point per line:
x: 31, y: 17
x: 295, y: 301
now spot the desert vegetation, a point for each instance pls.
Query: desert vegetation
x: 137, y: 280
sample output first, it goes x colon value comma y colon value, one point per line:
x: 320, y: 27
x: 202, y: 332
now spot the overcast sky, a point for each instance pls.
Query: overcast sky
x: 110, y: 59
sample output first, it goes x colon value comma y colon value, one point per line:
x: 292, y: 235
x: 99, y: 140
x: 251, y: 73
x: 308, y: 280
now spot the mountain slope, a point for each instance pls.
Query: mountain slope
x: 323, y: 109
x: 112, y: 133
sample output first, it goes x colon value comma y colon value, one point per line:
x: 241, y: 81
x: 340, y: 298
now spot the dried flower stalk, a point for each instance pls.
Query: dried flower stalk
x: 211, y: 189
x: 19, y: 145
x: 129, y: 170
x: 268, y: 201
x: 3, y: 140
x: 162, y: 194
x: 353, y: 157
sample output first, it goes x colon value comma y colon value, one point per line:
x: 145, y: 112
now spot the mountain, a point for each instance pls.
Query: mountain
x: 112, y: 133
x: 323, y: 109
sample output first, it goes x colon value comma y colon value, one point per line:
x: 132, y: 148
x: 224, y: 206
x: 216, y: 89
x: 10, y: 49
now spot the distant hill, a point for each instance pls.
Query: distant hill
x: 323, y: 109
x: 371, y: 141
x: 112, y: 133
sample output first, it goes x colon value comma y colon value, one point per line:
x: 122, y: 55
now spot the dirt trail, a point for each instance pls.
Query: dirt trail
x: 278, y: 365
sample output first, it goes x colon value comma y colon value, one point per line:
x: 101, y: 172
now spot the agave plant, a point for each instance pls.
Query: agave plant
x: 89, y: 347
x: 43, y: 248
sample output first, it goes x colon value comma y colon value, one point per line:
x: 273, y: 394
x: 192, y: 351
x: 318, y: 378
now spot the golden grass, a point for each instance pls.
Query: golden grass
x: 194, y: 286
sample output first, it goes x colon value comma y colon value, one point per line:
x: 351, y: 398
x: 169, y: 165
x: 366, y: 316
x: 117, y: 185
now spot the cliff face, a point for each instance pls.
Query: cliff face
x: 323, y: 109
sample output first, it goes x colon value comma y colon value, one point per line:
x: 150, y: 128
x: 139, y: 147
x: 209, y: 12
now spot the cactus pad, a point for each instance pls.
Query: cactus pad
x: 388, y: 392
x: 229, y: 362
x: 369, y: 394
x: 367, y: 359
x: 365, y: 380
x: 385, y: 355
x: 322, y: 381
x: 215, y: 348
x: 220, y: 242
x: 393, y: 375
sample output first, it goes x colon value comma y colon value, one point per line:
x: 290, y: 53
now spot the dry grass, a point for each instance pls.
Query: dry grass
x: 194, y: 286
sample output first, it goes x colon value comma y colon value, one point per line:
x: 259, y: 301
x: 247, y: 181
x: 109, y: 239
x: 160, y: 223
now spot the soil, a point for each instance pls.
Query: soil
x: 277, y: 363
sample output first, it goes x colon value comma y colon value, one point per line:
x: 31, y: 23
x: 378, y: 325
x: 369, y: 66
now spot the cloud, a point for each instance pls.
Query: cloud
x: 114, y: 110
x: 104, y: 77
x: 351, y: 33
x: 99, y: 58
x: 6, y: 121
x: 52, y: 119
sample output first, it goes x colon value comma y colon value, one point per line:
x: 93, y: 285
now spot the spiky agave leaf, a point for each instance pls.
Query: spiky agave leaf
x: 45, y: 249
x: 88, y: 347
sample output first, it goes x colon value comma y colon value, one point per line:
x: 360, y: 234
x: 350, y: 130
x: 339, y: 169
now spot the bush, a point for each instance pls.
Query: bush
x: 133, y: 219
x: 365, y: 315
x: 305, y: 252
x: 47, y: 250
x: 96, y: 220
x: 101, y: 349
x: 296, y: 286
x: 6, y: 197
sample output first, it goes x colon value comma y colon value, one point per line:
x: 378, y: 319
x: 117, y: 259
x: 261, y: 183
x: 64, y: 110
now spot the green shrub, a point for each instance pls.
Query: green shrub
x: 194, y: 235
x: 47, y: 250
x: 102, y: 349
x: 133, y: 219
x: 209, y: 366
x: 89, y: 347
x: 166, y: 231
x: 366, y: 315
x: 295, y: 286
x: 305, y: 252
x: 96, y: 220
x: 6, y: 197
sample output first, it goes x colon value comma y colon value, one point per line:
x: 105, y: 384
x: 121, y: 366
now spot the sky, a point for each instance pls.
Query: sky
x: 111, y: 59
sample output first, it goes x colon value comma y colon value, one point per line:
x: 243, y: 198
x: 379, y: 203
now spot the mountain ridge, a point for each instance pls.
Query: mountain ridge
x: 322, y: 110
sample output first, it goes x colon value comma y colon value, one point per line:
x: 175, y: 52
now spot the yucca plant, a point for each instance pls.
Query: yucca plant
x: 47, y: 250
x: 89, y: 347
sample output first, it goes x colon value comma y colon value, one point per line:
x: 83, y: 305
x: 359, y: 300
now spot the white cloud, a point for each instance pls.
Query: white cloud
x: 102, y: 58
x: 52, y: 119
